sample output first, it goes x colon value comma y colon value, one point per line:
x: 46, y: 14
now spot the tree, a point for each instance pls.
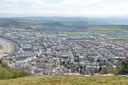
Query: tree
x: 124, y: 68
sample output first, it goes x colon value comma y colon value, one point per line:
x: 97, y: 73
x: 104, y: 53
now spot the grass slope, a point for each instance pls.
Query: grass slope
x: 67, y: 80
x: 7, y: 73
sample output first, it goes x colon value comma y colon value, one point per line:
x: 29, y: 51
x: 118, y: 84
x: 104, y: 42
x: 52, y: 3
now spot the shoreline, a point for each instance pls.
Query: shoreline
x: 8, y: 47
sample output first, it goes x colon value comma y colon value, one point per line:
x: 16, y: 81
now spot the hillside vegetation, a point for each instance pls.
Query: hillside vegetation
x: 7, y: 73
x: 67, y: 80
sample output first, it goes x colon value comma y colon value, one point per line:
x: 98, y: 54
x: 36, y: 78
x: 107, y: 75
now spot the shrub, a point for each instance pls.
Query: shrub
x: 123, y: 70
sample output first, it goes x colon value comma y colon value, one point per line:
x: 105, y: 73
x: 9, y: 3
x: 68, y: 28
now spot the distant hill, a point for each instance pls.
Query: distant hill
x: 89, y: 20
x: 16, y: 22
x: 68, y: 24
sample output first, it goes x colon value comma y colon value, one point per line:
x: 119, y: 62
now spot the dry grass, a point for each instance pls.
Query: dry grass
x: 67, y: 80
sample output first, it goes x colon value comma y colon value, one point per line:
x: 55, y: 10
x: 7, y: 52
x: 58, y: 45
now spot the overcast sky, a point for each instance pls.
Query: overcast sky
x: 91, y: 8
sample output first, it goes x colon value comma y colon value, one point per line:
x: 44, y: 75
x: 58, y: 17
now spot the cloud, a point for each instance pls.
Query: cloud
x: 64, y: 7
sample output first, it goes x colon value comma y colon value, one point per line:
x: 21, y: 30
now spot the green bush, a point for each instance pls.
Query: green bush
x: 124, y: 68
x: 4, y: 73
x: 121, y: 69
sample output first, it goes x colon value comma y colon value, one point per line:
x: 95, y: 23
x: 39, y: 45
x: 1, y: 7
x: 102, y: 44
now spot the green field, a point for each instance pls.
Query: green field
x: 108, y: 27
x: 1, y: 47
x: 105, y: 28
x: 102, y: 35
x: 36, y: 26
x: 67, y: 80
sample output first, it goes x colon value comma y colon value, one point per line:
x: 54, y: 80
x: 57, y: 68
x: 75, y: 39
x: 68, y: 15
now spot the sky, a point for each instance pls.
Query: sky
x: 90, y: 8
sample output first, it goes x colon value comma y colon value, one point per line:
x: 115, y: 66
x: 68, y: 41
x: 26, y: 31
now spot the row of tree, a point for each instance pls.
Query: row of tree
x: 121, y: 69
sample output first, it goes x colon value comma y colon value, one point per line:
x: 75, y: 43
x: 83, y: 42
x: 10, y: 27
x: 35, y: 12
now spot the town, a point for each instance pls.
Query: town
x: 52, y: 53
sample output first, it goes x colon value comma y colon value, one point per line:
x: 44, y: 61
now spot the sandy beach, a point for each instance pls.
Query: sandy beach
x: 7, y: 47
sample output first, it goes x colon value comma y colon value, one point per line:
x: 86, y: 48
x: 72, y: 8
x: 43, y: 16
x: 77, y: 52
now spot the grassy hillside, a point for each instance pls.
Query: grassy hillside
x: 7, y: 73
x: 67, y: 80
